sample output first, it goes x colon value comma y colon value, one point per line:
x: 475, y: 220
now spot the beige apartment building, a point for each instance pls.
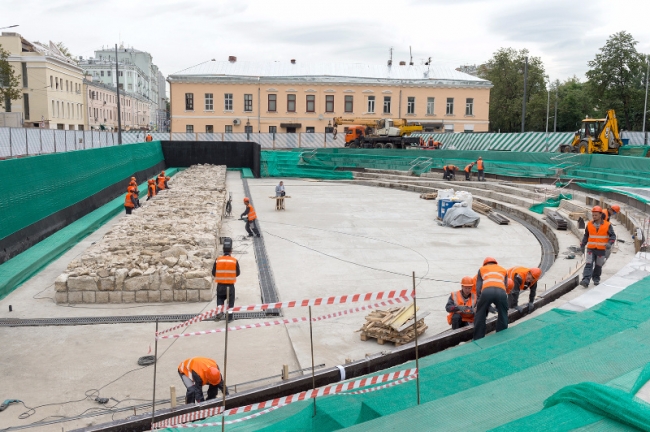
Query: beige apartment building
x: 101, y: 114
x: 232, y: 96
x: 52, y: 85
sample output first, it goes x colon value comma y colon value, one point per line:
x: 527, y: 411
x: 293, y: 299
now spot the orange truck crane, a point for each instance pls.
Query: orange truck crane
x: 383, y: 133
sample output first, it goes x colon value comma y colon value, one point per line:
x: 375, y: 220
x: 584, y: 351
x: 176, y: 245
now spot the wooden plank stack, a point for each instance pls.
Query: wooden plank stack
x: 394, y: 325
x: 478, y: 207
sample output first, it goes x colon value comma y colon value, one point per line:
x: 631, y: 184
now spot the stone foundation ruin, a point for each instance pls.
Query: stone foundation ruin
x: 163, y: 252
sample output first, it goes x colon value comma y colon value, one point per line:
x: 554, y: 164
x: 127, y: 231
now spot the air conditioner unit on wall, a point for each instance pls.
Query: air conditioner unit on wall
x: 236, y: 122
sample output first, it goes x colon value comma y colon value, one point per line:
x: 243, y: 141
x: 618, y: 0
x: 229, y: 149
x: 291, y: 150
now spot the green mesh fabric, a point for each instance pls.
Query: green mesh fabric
x: 291, y: 164
x: 558, y: 371
x: 551, y: 202
x: 38, y: 186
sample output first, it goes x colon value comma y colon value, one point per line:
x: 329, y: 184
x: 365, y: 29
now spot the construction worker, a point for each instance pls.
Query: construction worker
x: 225, y: 271
x: 522, y: 279
x: 468, y: 171
x: 461, y: 305
x: 131, y: 199
x: 133, y: 182
x: 279, y: 190
x: 161, y: 181
x: 252, y: 216
x: 199, y: 371
x: 491, y: 283
x: 148, y: 138
x: 613, y: 210
x: 450, y: 172
x: 479, y: 167
x: 151, y: 189
x: 598, y: 239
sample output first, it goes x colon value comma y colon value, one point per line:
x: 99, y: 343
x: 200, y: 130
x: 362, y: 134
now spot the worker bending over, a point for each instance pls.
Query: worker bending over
x: 197, y: 372
x: 523, y: 279
x: 491, y: 283
x: 131, y: 200
x: 225, y: 271
x: 450, y: 172
x: 151, y: 189
x: 598, y: 240
x: 161, y: 181
x: 468, y: 171
x: 612, y: 211
x: 252, y: 216
x: 480, y: 167
x: 461, y: 305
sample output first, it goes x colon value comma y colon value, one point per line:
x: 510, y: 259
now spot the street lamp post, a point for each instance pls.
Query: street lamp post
x: 548, y: 103
x: 645, y: 105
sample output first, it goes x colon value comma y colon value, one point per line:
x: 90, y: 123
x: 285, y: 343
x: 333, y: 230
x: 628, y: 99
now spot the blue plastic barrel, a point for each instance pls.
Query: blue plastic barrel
x: 626, y: 141
x: 443, y: 206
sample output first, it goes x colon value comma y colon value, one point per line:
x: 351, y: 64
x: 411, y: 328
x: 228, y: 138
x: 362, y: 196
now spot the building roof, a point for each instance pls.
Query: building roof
x: 333, y: 72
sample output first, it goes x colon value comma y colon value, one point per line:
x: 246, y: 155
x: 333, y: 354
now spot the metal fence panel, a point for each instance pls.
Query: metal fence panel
x: 235, y: 137
x: 5, y: 145
x: 283, y: 141
x: 33, y: 141
x: 47, y: 136
x: 70, y: 142
x: 331, y: 142
x: 312, y: 140
x: 265, y: 140
x: 183, y: 136
x: 19, y: 141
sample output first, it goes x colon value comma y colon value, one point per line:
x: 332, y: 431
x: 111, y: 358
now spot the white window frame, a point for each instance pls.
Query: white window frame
x: 209, y: 102
x: 227, y: 102
x: 387, y: 103
x: 469, y: 106
x: 410, y: 105
x: 431, y: 105
x: 450, y: 106
x: 371, y: 104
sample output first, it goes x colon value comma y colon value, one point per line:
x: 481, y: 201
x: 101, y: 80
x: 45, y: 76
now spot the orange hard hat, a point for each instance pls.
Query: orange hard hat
x: 131, y: 188
x: 536, y: 272
x: 213, y: 376
x: 489, y: 260
x: 150, y: 181
x: 616, y: 208
x: 246, y: 199
x: 162, y: 172
x: 597, y: 209
x: 467, y: 281
x: 511, y: 284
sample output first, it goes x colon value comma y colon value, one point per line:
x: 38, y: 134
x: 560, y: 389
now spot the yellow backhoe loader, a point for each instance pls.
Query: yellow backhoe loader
x: 596, y: 136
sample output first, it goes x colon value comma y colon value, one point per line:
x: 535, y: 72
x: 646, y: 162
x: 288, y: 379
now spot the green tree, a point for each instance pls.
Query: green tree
x: 9, y: 83
x: 617, y: 78
x: 574, y: 104
x: 506, y: 72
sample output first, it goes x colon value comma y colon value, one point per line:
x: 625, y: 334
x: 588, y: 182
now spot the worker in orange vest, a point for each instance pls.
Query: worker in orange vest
x: 598, y: 240
x: 199, y: 371
x: 133, y: 182
x: 225, y: 271
x: 131, y: 199
x: 608, y: 213
x: 461, y: 305
x: 161, y: 181
x: 151, y: 189
x: 252, y: 217
x: 148, y: 138
x: 450, y: 172
x: 480, y: 167
x: 522, y: 279
x: 491, y: 283
x: 468, y: 171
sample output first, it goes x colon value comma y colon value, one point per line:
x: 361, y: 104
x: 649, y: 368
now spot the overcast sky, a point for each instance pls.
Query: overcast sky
x: 566, y: 34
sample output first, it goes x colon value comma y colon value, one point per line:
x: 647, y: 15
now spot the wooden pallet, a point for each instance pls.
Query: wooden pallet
x: 383, y: 336
x: 393, y: 325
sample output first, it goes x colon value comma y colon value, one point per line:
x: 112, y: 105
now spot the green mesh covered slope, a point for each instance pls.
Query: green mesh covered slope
x: 38, y: 186
x: 558, y: 371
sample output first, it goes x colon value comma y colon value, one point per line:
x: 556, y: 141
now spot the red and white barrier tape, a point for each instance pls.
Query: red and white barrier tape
x: 393, y: 384
x: 286, y: 400
x: 343, y: 299
x: 266, y: 411
x: 291, y: 320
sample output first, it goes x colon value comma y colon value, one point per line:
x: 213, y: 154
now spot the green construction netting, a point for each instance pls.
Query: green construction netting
x: 557, y: 371
x: 593, y: 170
x: 23, y: 266
x: 551, y: 202
x: 38, y: 186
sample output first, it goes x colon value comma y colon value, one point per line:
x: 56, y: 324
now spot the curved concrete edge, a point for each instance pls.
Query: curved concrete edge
x: 634, y: 271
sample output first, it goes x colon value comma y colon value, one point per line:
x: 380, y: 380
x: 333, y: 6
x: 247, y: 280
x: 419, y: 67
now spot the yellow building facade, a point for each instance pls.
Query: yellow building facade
x: 51, y: 85
x: 269, y: 97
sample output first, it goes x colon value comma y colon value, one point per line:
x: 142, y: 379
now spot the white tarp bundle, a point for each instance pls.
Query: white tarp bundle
x: 461, y: 215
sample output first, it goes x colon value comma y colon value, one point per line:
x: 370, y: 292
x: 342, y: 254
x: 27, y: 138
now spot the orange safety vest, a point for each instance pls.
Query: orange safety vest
x: 161, y: 182
x: 598, y: 238
x: 251, y: 213
x: 148, y: 138
x: 479, y: 165
x: 151, y: 190
x: 226, y: 272
x: 127, y: 201
x: 523, y: 272
x: 493, y: 276
x: 200, y: 365
x: 459, y: 300
x: 468, y: 168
